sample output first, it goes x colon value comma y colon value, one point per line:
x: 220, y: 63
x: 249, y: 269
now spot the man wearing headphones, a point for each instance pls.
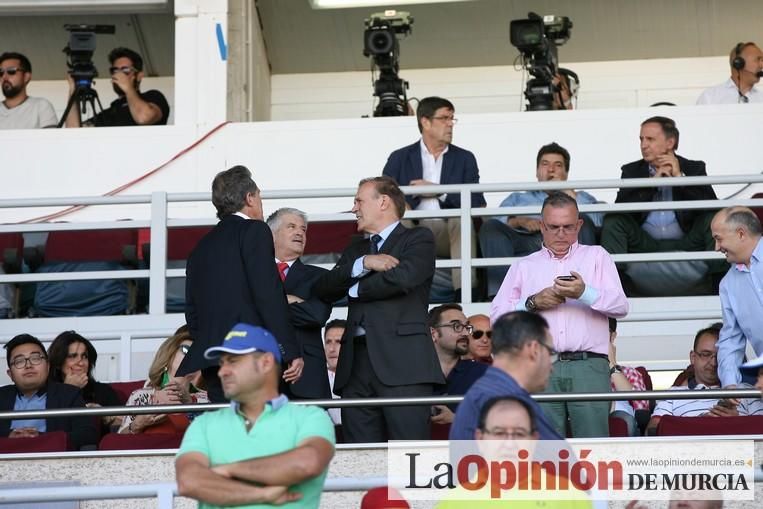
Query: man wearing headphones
x: 746, y: 61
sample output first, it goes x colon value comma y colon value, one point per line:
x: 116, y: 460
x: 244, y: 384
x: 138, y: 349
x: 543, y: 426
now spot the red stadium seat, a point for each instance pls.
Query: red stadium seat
x: 117, y: 442
x: 11, y: 251
x: 124, y: 389
x: 180, y: 241
x: 331, y: 237
x: 92, y: 246
x: 617, y: 427
x: 55, y: 441
x: 683, y: 426
x: 439, y: 431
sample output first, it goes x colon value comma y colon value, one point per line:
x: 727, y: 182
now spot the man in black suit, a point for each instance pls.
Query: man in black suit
x: 662, y: 230
x: 435, y: 160
x: 28, y: 368
x: 386, y: 348
x: 308, y: 313
x: 231, y: 277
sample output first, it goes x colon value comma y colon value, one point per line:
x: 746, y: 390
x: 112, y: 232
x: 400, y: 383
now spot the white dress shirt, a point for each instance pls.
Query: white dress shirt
x: 728, y: 93
x: 432, y: 171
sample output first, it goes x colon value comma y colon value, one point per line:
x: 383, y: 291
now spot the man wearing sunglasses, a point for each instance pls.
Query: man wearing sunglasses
x: 480, y: 340
x: 450, y: 335
x: 28, y: 369
x: 132, y: 107
x: 19, y: 110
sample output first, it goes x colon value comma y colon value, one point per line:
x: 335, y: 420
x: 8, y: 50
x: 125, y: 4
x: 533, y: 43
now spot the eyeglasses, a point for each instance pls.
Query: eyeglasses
x: 446, y: 119
x: 457, y: 327
x: 551, y: 352
x: 477, y: 334
x: 566, y: 228
x: 34, y: 360
x: 125, y: 69
x: 706, y: 356
x: 504, y: 434
x: 11, y: 71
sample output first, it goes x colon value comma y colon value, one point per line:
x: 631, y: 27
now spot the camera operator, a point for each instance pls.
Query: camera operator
x: 132, y: 107
x: 18, y: 110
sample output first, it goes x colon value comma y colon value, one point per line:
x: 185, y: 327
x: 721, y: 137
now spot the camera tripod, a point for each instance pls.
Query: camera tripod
x: 83, y: 96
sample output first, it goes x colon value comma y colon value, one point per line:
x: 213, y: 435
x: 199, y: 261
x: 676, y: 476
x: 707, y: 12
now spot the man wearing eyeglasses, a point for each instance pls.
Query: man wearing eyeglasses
x: 19, y: 110
x: 508, y: 236
x: 450, y: 335
x: 28, y: 369
x: 132, y: 107
x: 435, y: 160
x: 576, y: 288
x: 704, y: 363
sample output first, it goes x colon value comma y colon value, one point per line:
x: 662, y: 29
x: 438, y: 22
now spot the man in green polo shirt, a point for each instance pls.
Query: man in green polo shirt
x: 262, y: 450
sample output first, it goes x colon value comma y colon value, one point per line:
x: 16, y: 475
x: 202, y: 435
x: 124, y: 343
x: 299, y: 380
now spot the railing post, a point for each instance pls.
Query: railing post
x: 157, y: 282
x: 165, y: 496
x: 125, y: 356
x: 466, y: 246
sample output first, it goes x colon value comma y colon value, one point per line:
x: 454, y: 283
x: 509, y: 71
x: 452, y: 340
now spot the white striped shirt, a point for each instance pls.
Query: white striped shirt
x: 697, y: 407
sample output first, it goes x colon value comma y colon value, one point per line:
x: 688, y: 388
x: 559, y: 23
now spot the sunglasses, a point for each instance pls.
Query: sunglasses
x: 11, y: 71
x: 477, y: 334
x: 125, y: 69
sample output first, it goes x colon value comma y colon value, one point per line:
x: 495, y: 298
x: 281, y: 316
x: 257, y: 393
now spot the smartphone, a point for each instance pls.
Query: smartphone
x: 566, y: 278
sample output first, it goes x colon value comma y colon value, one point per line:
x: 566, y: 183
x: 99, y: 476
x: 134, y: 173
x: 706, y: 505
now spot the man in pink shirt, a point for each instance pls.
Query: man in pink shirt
x: 576, y: 288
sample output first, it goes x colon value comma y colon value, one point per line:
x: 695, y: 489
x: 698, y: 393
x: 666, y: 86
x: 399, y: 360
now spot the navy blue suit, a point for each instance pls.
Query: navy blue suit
x: 459, y: 166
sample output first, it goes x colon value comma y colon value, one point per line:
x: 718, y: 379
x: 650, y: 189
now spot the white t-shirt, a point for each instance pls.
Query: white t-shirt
x: 697, y: 407
x: 33, y: 113
x: 728, y: 93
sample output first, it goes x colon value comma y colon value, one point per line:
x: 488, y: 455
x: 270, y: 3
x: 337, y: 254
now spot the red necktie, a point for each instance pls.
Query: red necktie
x: 282, y: 266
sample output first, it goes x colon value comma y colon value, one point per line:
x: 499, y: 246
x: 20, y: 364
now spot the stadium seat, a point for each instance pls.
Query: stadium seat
x: 124, y: 389
x: 87, y: 250
x: 11, y: 257
x: 180, y: 243
x: 55, y: 441
x: 617, y: 427
x: 330, y: 237
x: 683, y: 426
x: 117, y: 442
x: 439, y: 431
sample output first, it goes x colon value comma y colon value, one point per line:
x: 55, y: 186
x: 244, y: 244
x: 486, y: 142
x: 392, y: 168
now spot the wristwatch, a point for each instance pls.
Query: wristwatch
x: 614, y: 369
x: 530, y: 304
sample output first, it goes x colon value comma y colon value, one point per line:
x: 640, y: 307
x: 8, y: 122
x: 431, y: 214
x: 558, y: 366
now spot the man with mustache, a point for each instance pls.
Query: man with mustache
x: 132, y: 107
x: 19, y: 110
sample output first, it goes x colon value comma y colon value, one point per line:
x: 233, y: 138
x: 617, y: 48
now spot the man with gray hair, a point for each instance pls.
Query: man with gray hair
x: 737, y: 232
x: 308, y: 313
x: 231, y: 277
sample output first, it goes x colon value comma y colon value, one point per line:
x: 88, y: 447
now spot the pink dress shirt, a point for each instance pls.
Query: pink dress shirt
x: 577, y: 325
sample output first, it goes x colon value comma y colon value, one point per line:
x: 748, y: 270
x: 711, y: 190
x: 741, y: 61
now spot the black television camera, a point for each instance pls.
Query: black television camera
x: 380, y: 42
x: 538, y: 38
x: 79, y: 52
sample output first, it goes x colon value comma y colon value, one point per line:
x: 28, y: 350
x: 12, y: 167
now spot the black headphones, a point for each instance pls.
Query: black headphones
x: 738, y: 63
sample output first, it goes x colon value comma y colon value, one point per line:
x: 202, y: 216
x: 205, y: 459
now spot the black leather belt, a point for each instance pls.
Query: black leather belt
x: 580, y: 356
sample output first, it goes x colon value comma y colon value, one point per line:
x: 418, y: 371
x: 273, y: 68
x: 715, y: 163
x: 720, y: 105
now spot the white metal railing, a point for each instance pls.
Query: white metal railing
x: 158, y: 321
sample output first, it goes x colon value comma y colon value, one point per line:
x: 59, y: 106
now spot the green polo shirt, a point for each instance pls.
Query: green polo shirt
x: 221, y: 436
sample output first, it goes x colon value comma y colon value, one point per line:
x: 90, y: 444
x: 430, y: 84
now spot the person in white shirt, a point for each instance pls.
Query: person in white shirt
x: 332, y: 342
x: 746, y: 62
x: 704, y: 360
x: 19, y: 110
x: 435, y: 160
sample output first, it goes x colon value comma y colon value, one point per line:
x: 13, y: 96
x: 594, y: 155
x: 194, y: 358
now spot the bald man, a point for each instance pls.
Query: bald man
x: 737, y: 233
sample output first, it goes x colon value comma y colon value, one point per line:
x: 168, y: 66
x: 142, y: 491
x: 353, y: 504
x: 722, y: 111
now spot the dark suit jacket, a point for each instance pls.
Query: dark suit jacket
x: 392, y: 307
x: 640, y: 169
x: 81, y: 430
x: 308, y: 319
x: 231, y: 277
x: 459, y: 166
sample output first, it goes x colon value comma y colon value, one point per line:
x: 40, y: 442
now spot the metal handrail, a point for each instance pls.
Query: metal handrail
x: 360, y: 402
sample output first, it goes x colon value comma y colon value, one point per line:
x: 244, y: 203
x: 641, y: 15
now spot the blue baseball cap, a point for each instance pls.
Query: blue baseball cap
x: 243, y: 339
x: 751, y: 368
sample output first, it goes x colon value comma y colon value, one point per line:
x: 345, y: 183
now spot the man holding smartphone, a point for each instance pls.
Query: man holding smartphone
x: 661, y: 230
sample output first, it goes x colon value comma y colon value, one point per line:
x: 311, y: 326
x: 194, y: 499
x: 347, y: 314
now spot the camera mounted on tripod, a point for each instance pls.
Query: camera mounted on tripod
x: 537, y: 38
x: 80, y: 51
x: 381, y: 43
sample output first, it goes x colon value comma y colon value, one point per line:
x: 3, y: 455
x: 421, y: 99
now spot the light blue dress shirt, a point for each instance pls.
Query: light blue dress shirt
x: 357, y: 268
x: 662, y: 224
x: 742, y: 306
x: 529, y: 198
x: 35, y: 402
